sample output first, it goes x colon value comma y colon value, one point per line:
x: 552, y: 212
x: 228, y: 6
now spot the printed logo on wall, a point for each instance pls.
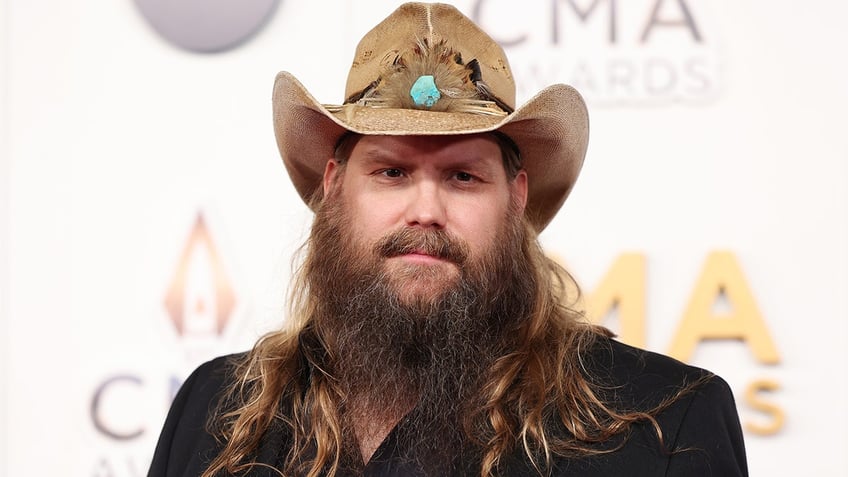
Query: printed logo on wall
x: 200, y: 298
x: 613, y: 52
x: 199, y: 308
x: 207, y: 26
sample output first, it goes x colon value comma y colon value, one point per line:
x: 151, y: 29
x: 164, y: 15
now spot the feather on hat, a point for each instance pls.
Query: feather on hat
x: 429, y: 70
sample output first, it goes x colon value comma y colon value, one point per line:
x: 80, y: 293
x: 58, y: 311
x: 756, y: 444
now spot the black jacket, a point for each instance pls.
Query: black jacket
x: 702, y: 427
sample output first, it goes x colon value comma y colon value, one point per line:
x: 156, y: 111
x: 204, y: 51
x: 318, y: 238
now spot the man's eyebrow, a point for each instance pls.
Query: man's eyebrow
x: 471, y: 162
x: 379, y: 155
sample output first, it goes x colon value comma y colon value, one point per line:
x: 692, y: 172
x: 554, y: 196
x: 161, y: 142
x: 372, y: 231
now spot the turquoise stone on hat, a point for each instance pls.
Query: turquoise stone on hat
x: 424, y: 91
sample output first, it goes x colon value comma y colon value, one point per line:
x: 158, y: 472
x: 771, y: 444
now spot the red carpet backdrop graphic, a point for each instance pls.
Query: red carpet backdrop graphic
x: 148, y: 223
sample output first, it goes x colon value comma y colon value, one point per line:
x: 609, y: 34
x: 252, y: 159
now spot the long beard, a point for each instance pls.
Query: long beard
x: 391, y: 351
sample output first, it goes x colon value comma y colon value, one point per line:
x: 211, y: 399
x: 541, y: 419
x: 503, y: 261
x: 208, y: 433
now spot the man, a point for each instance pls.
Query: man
x: 429, y: 334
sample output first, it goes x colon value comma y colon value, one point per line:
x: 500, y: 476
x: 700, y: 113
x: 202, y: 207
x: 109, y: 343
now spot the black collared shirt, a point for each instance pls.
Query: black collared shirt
x: 702, y: 427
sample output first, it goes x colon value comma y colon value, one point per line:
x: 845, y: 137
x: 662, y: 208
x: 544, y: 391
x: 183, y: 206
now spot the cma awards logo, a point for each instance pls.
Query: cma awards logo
x: 198, y: 307
x: 200, y: 298
x: 615, y: 52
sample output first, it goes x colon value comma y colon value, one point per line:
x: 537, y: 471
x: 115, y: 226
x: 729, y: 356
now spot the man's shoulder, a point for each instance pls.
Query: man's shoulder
x: 693, y: 409
x: 621, y: 358
x: 216, y: 368
x: 185, y: 445
x: 202, y: 389
x: 638, y: 377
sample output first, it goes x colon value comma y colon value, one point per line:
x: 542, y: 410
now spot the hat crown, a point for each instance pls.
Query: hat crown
x: 433, y: 22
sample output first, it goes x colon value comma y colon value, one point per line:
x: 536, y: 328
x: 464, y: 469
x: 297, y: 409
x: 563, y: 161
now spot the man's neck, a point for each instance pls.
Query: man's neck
x: 370, y: 433
x: 371, y: 430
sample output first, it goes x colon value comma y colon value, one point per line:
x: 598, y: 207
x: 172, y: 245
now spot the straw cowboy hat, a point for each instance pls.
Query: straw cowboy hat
x: 429, y: 70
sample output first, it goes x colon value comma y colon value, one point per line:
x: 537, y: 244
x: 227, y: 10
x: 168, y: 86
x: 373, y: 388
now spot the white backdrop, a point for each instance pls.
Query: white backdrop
x: 141, y: 183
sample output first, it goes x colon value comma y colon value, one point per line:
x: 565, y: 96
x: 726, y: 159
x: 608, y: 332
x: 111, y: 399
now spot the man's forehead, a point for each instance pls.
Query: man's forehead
x: 470, y: 146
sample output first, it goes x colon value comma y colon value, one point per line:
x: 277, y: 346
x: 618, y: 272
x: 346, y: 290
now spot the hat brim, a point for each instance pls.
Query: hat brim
x: 551, y: 131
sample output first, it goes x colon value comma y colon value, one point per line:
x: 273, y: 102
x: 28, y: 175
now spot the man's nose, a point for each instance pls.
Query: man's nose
x: 426, y: 207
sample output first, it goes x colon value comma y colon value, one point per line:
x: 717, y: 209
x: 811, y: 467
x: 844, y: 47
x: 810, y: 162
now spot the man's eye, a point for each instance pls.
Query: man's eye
x: 464, y: 177
x: 392, y: 173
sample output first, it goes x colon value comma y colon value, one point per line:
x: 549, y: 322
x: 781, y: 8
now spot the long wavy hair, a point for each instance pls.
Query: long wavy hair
x: 541, y: 385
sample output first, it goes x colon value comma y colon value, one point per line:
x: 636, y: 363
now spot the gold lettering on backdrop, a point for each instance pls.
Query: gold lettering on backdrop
x: 721, y: 307
x: 622, y: 289
x: 722, y: 277
x: 754, y: 399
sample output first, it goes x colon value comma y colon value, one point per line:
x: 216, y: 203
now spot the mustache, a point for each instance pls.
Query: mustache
x: 436, y: 243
